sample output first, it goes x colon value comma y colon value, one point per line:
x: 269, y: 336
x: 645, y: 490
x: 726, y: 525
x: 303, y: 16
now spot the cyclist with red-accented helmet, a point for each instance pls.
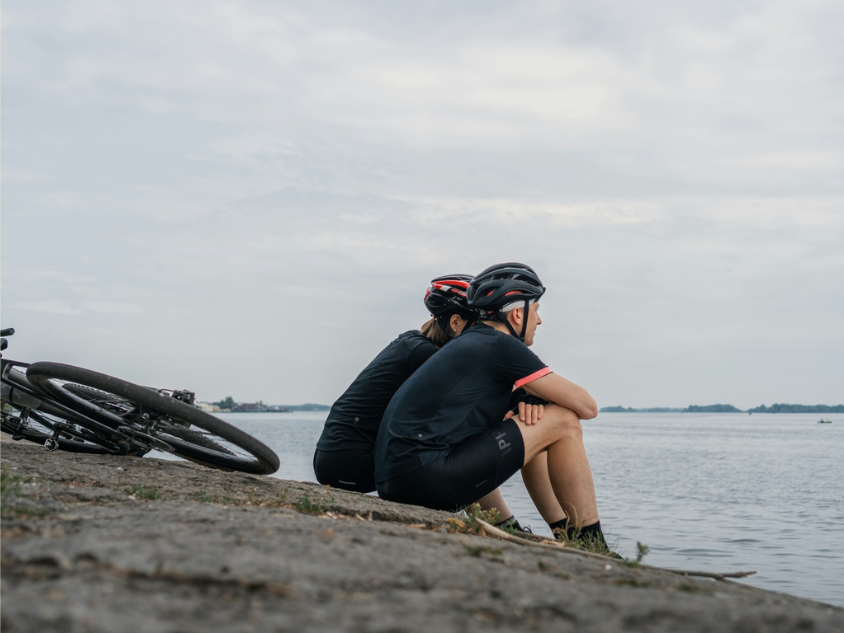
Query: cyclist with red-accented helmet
x: 343, y: 458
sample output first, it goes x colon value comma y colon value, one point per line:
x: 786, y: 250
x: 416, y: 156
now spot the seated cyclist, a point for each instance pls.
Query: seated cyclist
x: 444, y: 441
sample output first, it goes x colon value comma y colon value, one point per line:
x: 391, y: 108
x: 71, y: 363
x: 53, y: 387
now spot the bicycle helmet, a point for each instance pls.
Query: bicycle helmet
x: 499, y: 286
x: 447, y: 296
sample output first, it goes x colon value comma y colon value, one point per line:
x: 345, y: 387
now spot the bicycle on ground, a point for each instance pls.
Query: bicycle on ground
x: 74, y: 409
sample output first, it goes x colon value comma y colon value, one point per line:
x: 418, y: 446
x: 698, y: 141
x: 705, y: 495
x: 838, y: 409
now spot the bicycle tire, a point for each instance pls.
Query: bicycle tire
x: 149, y: 413
x: 43, y: 429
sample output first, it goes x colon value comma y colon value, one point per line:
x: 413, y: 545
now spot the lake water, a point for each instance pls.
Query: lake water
x: 711, y: 492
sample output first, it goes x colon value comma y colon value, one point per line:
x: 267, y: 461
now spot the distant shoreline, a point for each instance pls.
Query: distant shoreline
x: 728, y: 408
x: 229, y: 405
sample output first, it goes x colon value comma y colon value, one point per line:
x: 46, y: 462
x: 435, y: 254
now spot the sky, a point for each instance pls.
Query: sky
x: 249, y: 198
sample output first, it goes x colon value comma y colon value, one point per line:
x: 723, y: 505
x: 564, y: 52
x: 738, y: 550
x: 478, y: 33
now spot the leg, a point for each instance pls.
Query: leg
x: 495, y: 501
x: 560, y: 436
x: 348, y: 469
x: 538, y: 484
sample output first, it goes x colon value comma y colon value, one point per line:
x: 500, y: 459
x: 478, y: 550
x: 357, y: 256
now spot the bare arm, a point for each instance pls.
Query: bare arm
x: 556, y: 389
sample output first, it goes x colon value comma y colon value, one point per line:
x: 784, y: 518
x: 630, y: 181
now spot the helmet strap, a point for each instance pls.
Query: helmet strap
x: 501, y: 317
x: 525, y: 320
x: 443, y: 322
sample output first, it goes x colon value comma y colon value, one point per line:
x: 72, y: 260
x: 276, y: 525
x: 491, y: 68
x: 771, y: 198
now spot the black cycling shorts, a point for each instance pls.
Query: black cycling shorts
x: 349, y: 469
x: 472, y: 470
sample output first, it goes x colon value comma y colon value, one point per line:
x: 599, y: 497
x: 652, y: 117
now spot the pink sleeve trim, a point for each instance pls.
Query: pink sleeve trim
x: 535, y: 375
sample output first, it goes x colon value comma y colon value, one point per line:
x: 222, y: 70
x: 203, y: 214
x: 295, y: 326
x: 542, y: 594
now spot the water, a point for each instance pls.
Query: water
x: 709, y: 492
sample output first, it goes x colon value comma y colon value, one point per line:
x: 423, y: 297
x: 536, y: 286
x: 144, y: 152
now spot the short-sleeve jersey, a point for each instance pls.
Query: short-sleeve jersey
x: 355, y: 417
x: 461, y: 391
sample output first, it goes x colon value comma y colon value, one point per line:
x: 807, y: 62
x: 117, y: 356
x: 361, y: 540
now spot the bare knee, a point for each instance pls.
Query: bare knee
x: 566, y: 423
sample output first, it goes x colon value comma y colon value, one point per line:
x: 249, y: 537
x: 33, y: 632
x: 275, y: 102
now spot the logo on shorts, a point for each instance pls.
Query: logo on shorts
x: 503, y: 445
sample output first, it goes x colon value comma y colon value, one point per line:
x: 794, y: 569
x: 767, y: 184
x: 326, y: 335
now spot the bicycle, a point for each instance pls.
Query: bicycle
x: 71, y: 408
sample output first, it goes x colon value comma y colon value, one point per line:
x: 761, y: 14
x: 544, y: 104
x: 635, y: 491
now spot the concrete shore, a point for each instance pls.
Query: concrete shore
x: 105, y: 544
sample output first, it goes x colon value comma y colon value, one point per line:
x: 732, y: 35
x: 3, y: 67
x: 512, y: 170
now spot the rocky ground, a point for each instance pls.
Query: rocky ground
x: 102, y: 543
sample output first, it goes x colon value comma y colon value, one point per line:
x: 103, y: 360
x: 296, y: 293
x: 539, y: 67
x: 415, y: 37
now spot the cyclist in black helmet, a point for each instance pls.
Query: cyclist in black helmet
x: 344, y: 453
x: 444, y: 451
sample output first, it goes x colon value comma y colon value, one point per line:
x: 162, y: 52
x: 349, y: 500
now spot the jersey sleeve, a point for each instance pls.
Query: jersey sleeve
x: 514, y: 363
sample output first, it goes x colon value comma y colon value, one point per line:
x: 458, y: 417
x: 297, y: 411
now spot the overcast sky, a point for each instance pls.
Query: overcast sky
x: 249, y: 198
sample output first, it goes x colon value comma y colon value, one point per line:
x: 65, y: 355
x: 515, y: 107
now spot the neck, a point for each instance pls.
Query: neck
x: 498, y: 325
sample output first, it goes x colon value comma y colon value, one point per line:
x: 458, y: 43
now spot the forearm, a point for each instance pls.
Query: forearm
x: 565, y: 393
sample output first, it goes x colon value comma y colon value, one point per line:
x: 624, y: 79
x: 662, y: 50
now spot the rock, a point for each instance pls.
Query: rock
x: 199, y: 549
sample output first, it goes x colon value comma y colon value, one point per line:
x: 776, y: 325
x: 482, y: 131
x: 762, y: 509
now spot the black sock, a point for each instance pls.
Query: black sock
x: 562, y: 525
x: 510, y: 523
x: 592, y: 532
x: 587, y: 532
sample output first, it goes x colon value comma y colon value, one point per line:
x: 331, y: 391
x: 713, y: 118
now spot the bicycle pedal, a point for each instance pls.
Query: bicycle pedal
x: 51, y: 445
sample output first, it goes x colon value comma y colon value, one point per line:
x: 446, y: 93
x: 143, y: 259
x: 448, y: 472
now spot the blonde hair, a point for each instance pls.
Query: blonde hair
x: 434, y: 332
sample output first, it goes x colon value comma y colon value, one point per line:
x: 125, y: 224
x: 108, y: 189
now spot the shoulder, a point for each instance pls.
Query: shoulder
x: 417, y: 344
x: 511, y: 347
x: 415, y: 338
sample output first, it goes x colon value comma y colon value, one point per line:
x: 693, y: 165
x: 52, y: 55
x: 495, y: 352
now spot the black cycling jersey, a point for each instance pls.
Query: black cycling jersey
x: 463, y: 390
x: 355, y: 417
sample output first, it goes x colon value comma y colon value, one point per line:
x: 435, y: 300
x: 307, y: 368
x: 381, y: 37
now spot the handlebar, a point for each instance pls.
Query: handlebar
x: 7, y: 332
x: 3, y: 344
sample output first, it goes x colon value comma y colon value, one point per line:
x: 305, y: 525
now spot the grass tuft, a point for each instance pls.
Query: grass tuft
x: 204, y: 497
x: 642, y: 550
x: 306, y: 505
x: 10, y: 489
x: 469, y: 524
x: 144, y: 493
x: 10, y: 484
x: 586, y: 542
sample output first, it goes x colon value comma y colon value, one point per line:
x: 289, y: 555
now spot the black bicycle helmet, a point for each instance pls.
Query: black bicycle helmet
x: 501, y: 285
x: 447, y: 296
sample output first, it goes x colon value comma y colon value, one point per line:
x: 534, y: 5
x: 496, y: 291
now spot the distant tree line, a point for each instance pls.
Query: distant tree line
x: 728, y: 408
x: 308, y: 406
x: 693, y: 408
x: 645, y: 410
x: 712, y: 408
x: 799, y: 408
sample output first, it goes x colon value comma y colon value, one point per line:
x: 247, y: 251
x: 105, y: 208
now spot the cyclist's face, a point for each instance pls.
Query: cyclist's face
x: 533, y: 320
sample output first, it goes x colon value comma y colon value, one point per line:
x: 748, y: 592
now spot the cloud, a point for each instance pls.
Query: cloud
x: 277, y: 184
x: 49, y: 306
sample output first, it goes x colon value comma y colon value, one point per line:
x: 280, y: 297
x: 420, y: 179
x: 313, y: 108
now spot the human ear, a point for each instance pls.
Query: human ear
x: 454, y: 323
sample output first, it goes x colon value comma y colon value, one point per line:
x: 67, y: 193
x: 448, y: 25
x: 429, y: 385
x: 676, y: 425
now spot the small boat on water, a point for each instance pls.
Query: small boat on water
x: 824, y: 421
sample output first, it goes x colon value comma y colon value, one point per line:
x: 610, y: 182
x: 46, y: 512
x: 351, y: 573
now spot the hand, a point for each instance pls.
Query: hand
x: 528, y: 413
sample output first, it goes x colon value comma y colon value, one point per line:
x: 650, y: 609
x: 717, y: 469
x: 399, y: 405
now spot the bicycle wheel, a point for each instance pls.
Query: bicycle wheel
x: 39, y: 427
x: 145, y: 414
